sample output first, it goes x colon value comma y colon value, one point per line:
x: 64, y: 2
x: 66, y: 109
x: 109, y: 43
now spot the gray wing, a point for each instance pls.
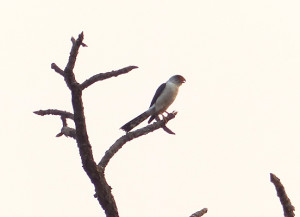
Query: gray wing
x: 157, y: 93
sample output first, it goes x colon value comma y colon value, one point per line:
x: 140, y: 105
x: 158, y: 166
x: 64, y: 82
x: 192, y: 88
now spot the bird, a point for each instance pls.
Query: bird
x: 163, y: 98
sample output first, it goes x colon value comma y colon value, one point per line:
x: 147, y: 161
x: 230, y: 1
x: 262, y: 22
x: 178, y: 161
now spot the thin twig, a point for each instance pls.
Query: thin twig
x: 130, y: 136
x: 55, y: 112
x: 103, y: 76
x: 199, y: 213
x: 57, y: 69
x: 288, y: 208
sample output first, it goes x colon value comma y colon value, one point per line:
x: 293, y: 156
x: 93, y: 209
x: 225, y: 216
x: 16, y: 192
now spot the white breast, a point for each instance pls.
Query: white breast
x: 166, y: 98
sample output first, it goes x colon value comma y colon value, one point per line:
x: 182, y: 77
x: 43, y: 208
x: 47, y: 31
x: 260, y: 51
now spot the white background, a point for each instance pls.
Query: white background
x: 238, y: 113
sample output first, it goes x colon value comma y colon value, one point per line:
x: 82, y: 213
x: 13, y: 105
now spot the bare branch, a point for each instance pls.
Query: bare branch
x: 96, y: 175
x: 288, y: 208
x: 130, y: 136
x: 103, y: 76
x: 165, y: 128
x: 69, y: 75
x: 103, y: 190
x: 168, y: 130
x: 199, y: 213
x: 55, y: 112
x: 57, y: 69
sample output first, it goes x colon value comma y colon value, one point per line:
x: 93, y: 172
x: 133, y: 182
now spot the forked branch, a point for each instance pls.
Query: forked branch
x: 94, y: 171
x: 102, y: 189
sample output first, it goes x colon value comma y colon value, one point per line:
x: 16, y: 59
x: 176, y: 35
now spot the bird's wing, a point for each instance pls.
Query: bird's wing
x: 157, y: 93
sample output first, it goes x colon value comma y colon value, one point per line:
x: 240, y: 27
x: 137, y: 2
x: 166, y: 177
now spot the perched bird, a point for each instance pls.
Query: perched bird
x: 163, y: 98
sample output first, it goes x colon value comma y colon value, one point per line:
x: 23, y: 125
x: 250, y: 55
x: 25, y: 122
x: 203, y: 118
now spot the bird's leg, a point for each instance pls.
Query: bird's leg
x: 164, y: 118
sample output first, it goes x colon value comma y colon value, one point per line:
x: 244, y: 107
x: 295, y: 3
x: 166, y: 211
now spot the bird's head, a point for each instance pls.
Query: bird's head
x: 177, y: 79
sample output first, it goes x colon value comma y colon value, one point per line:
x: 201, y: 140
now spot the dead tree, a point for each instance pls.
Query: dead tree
x: 96, y: 172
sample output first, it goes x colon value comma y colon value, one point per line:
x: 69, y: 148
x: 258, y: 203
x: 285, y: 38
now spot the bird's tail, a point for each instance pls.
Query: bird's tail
x: 136, y: 121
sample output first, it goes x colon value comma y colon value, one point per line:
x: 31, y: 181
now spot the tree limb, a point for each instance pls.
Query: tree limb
x: 130, y: 136
x: 94, y: 171
x: 103, y: 190
x: 103, y: 76
x: 288, y: 208
x: 97, y: 177
x: 199, y: 213
x: 57, y: 69
x: 55, y: 112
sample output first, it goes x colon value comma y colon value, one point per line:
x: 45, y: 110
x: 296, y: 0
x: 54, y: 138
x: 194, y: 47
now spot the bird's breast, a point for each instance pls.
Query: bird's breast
x: 166, y: 98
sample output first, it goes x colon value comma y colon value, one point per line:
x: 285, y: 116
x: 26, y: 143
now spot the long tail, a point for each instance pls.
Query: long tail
x: 136, y: 121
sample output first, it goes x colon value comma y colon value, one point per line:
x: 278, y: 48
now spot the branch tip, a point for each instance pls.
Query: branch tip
x: 199, y: 213
x: 61, y: 113
x: 73, y: 40
x: 288, y: 208
x: 59, y: 134
x: 57, y: 69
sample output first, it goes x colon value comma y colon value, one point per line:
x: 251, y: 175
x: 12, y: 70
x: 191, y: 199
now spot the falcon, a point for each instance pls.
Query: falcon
x: 163, y: 98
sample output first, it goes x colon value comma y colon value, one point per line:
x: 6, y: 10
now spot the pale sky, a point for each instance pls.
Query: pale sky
x: 238, y: 113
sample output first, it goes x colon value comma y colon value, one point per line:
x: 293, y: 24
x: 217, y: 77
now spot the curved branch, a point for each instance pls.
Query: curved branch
x: 103, y: 76
x: 199, y: 213
x: 288, y: 208
x: 61, y: 113
x: 132, y: 135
